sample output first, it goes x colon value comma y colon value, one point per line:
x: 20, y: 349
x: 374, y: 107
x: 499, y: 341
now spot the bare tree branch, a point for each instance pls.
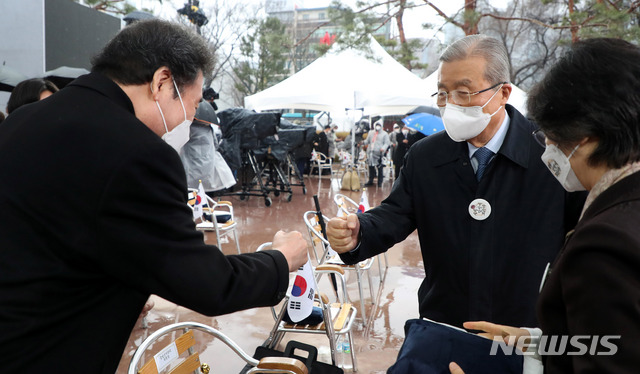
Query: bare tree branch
x: 443, y: 14
x: 311, y: 33
x: 540, y: 23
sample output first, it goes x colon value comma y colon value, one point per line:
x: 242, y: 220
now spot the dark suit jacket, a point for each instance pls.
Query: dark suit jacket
x: 94, y: 220
x: 323, y: 143
x: 594, y: 286
x: 401, y: 147
x: 475, y: 270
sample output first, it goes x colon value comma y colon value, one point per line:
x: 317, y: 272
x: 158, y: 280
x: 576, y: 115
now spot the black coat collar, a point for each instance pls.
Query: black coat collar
x: 516, y: 147
x: 105, y: 86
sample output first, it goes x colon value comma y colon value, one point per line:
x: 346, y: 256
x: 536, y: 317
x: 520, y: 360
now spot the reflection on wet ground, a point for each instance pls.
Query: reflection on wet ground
x: 376, y: 345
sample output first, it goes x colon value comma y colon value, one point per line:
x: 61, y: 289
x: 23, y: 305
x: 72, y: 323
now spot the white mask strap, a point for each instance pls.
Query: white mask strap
x: 161, y: 114
x: 492, y: 114
x: 180, y: 97
x: 491, y: 98
x: 572, y: 152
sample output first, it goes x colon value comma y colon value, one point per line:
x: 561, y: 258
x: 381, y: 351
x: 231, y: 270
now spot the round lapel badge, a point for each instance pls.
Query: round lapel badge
x: 480, y: 209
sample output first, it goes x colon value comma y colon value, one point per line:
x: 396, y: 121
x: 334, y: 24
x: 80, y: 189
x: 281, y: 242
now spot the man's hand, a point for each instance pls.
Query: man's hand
x: 494, y: 332
x: 498, y: 332
x: 293, y: 247
x: 455, y: 369
x: 147, y: 308
x: 342, y: 233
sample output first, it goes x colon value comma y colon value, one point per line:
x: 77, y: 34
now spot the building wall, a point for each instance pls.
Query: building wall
x: 74, y: 33
x: 300, y: 22
x: 22, y: 30
x: 41, y: 35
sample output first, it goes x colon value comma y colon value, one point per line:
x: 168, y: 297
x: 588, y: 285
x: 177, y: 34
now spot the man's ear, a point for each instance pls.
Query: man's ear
x: 505, y: 91
x: 161, y: 80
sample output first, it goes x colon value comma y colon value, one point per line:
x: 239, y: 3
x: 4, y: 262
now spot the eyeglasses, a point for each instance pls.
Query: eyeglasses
x: 460, y: 97
x: 540, y: 137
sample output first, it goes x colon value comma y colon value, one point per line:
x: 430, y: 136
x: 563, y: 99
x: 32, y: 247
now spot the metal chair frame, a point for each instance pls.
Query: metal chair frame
x: 363, y: 266
x: 332, y: 326
x: 185, y: 343
x: 221, y: 229
x: 322, y: 162
x: 347, y: 205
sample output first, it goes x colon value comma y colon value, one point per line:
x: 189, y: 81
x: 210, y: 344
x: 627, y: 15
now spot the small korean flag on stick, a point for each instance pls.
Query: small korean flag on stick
x: 342, y: 208
x: 304, y: 289
x: 201, y: 201
x: 364, y: 203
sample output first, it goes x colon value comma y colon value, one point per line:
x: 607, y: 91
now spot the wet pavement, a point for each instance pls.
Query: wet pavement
x: 376, y: 344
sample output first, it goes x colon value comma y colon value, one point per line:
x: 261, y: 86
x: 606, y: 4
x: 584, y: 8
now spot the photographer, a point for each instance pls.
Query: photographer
x: 209, y: 95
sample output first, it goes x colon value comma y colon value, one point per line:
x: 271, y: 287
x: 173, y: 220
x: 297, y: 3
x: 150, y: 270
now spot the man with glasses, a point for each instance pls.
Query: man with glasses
x: 489, y: 215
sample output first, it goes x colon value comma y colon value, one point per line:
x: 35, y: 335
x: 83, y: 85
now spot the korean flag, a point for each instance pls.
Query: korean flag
x: 304, y: 288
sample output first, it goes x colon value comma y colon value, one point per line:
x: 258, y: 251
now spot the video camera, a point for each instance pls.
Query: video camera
x: 210, y: 94
x: 194, y: 13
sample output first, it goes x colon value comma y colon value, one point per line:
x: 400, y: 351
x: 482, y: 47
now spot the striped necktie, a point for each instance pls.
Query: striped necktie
x: 483, y: 155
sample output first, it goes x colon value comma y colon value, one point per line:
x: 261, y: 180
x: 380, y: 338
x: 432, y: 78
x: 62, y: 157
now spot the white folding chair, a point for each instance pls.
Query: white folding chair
x: 218, y: 217
x: 318, y: 240
x: 338, y: 313
x: 361, y: 165
x: 180, y: 357
x: 388, y: 163
x: 346, y: 205
x: 322, y: 162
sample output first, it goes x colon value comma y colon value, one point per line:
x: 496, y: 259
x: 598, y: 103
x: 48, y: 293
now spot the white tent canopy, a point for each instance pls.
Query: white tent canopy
x: 346, y: 80
x: 518, y: 97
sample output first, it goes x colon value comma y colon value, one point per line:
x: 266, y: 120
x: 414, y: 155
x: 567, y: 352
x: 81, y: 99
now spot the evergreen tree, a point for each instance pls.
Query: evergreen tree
x: 263, y: 61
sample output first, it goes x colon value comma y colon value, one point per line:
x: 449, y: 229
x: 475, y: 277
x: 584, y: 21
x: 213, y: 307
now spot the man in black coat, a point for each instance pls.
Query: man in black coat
x: 321, y: 141
x: 94, y: 211
x: 489, y: 214
x: 403, y: 143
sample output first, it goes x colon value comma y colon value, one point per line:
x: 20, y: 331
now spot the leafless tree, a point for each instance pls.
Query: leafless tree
x: 532, y: 47
x: 228, y: 21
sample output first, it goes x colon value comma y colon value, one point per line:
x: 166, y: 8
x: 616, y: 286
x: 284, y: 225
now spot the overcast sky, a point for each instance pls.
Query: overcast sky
x: 413, y: 19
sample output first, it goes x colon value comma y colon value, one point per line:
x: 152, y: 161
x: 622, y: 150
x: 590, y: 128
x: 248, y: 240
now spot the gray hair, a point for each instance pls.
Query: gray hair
x: 483, y: 46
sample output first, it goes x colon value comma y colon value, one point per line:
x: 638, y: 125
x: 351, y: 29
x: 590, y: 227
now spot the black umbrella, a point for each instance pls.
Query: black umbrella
x: 205, y: 112
x: 137, y: 15
x: 9, y: 78
x: 425, y: 109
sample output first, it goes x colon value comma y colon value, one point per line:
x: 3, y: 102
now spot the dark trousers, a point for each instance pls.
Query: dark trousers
x: 380, y: 174
x: 302, y: 165
x: 397, y: 168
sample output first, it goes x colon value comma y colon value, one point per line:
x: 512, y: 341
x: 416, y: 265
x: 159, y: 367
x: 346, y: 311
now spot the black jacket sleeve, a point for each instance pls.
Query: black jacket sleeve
x: 148, y: 240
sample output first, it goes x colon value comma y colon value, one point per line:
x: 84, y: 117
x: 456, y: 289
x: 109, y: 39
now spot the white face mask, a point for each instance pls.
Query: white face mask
x: 179, y: 136
x: 560, y: 167
x: 464, y: 123
x: 405, y: 132
x: 378, y: 128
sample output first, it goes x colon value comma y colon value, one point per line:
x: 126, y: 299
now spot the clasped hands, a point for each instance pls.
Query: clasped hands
x: 493, y: 331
